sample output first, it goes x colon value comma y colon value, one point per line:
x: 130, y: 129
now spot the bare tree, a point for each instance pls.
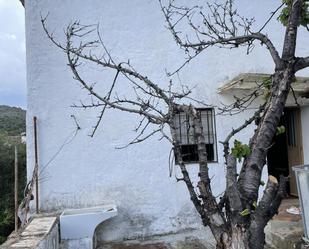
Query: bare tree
x: 238, y: 219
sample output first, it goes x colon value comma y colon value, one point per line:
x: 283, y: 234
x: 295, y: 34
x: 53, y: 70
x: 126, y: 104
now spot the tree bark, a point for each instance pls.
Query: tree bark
x: 262, y: 215
x: 234, y: 206
x: 217, y: 222
x: 266, y: 209
x: 281, y: 82
x: 250, y: 176
x: 236, y: 239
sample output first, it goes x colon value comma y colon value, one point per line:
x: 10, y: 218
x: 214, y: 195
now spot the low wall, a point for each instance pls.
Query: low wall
x: 41, y: 233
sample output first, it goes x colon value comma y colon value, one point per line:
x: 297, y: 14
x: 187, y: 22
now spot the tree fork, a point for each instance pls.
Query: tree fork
x: 266, y: 209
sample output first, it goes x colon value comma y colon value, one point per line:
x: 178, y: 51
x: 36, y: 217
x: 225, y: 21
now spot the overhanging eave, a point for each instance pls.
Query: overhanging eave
x: 251, y: 81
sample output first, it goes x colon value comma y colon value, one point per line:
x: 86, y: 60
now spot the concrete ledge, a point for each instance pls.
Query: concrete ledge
x: 41, y: 233
x: 185, y: 240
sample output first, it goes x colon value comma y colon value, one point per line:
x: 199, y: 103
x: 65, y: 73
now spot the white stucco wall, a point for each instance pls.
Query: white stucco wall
x: 90, y: 171
x: 305, y: 132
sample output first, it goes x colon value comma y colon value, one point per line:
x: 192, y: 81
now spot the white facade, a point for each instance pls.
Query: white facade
x: 79, y: 171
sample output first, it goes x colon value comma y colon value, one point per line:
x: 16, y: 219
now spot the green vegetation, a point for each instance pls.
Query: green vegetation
x: 12, y: 120
x: 285, y: 13
x: 280, y: 130
x: 240, y: 150
x: 12, y: 123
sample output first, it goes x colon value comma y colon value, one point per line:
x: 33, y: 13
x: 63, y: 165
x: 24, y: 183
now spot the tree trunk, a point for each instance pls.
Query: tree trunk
x: 237, y: 239
x: 250, y: 176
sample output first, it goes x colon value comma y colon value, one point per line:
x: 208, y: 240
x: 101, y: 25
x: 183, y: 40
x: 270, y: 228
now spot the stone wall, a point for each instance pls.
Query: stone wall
x: 41, y: 233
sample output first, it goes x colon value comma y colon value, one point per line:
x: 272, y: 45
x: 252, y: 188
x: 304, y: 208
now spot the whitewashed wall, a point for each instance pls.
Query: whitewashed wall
x: 305, y: 132
x: 90, y: 171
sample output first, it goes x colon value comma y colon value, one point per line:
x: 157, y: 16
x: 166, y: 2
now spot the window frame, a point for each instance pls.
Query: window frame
x: 214, y: 128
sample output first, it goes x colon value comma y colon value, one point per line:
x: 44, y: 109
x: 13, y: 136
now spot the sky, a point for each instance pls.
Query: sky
x: 12, y: 54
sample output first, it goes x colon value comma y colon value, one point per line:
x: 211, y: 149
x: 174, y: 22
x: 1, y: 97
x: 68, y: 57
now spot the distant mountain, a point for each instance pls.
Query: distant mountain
x: 12, y: 120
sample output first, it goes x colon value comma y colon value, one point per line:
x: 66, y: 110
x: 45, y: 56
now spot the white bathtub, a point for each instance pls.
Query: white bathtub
x: 79, y: 225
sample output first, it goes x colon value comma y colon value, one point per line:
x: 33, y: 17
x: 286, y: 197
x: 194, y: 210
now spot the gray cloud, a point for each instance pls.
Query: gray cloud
x: 12, y: 54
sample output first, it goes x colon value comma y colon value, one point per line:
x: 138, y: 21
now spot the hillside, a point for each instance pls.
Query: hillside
x: 12, y: 120
x: 12, y: 123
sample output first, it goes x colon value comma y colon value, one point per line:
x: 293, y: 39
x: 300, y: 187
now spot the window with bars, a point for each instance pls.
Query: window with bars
x: 185, y: 134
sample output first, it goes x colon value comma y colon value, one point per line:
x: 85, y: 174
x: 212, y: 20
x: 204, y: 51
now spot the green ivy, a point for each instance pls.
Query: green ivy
x: 285, y: 13
x: 240, y: 150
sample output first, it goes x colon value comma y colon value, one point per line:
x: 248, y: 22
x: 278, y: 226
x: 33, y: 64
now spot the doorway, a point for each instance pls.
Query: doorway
x: 286, y: 150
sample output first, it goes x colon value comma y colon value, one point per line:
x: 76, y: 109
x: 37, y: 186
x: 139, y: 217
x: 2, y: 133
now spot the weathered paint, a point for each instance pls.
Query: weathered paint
x: 305, y: 132
x: 40, y: 233
x: 90, y: 171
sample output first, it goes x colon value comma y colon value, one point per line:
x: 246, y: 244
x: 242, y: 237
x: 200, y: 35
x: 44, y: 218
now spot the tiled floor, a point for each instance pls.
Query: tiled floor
x: 283, y: 214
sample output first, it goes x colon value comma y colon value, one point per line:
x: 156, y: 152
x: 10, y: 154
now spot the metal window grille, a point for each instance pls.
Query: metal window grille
x: 185, y: 134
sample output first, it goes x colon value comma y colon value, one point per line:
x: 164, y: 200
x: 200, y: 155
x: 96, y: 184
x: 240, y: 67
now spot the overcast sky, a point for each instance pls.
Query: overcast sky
x: 12, y: 54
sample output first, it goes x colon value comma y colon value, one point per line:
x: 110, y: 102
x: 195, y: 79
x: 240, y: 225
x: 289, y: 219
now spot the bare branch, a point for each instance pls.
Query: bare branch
x: 151, y: 117
x: 255, y: 116
x: 232, y: 192
x: 242, y: 103
x: 301, y: 63
x: 105, y: 105
x: 77, y: 30
x: 294, y: 96
x: 221, y: 27
x: 271, y: 16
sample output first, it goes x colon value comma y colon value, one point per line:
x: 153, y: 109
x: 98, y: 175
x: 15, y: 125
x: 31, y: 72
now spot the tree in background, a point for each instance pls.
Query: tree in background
x: 238, y: 219
x: 12, y: 123
x: 12, y: 120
